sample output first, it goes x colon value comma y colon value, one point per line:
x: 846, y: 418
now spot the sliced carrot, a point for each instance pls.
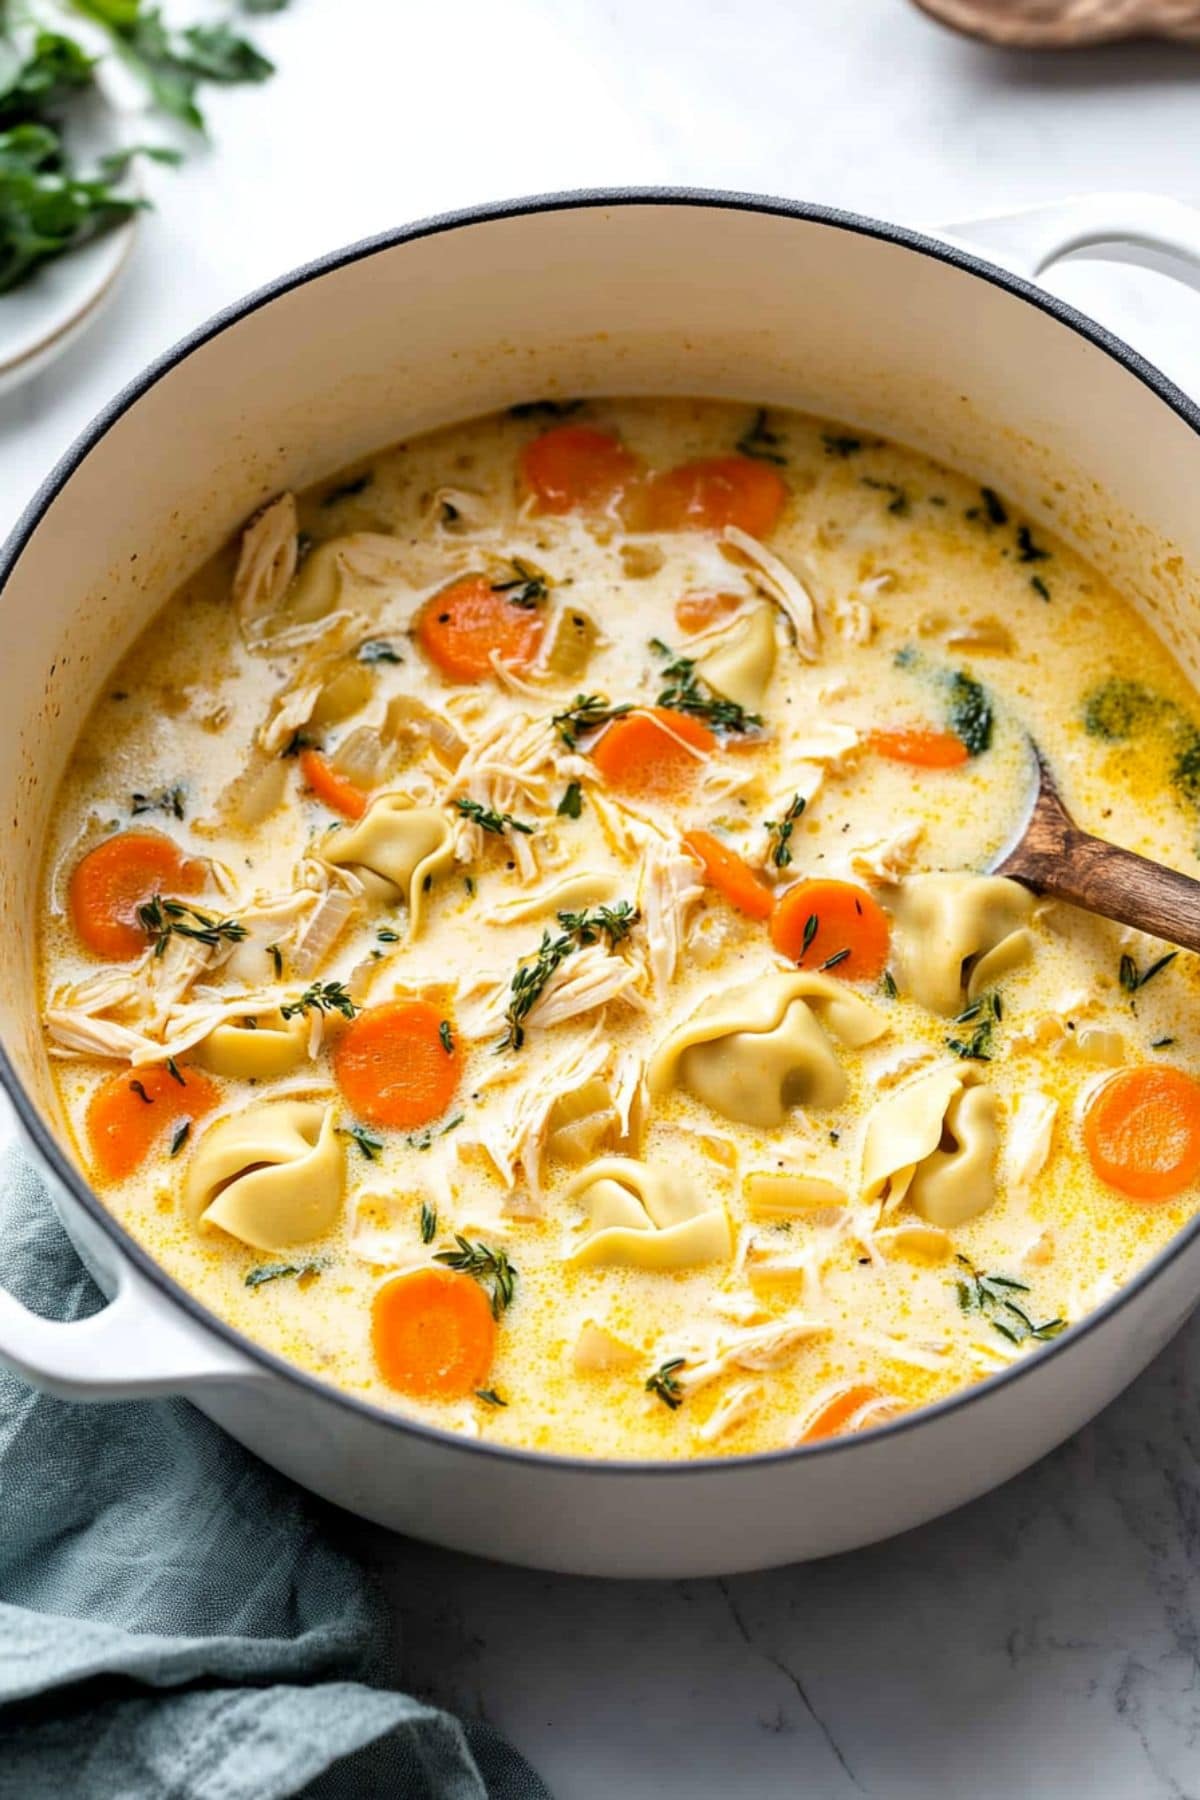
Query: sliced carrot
x: 433, y: 1333
x: 647, y: 753
x: 140, y: 1110
x: 696, y: 612
x: 1142, y: 1132
x: 923, y: 748
x: 848, y: 934
x: 725, y: 870
x: 832, y: 1418
x: 109, y: 884
x: 393, y: 1066
x: 576, y: 468
x: 469, y: 622
x: 335, y: 791
x: 710, y: 494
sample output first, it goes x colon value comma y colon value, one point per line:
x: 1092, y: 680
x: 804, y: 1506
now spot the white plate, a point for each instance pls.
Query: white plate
x: 39, y: 320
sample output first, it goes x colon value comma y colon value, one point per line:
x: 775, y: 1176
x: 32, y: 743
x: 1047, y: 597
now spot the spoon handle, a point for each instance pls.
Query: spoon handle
x: 1056, y: 858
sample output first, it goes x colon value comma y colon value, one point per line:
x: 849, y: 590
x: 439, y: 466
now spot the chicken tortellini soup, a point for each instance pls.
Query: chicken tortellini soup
x: 518, y: 939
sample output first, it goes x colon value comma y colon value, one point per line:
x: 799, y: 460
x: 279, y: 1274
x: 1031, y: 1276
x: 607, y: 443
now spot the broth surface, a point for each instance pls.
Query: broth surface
x: 788, y: 1310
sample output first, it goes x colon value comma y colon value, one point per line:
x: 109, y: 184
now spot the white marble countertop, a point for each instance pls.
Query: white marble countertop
x: 1046, y: 1640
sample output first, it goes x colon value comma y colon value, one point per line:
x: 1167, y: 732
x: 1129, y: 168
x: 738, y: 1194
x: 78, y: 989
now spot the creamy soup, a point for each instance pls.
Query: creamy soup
x: 517, y: 939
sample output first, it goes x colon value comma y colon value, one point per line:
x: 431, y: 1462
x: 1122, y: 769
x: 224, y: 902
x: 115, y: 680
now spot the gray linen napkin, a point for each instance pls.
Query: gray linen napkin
x: 175, y: 1623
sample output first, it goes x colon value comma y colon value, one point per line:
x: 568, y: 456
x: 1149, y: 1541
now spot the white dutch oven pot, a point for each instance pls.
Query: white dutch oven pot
x: 916, y: 337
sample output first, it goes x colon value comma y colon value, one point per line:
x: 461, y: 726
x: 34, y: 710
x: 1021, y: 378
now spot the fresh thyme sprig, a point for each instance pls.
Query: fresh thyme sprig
x: 322, y: 996
x: 167, y: 800
x: 759, y: 441
x: 577, y: 930
x: 366, y: 1141
x: 161, y: 919
x: 1132, y: 979
x: 687, y: 692
x: 587, y: 712
x: 665, y: 1385
x: 277, y: 1271
x: 488, y: 819
x: 992, y: 1294
x: 490, y: 1268
x: 429, y: 1222
x: 984, y: 1015
x: 525, y: 589
x: 781, y: 831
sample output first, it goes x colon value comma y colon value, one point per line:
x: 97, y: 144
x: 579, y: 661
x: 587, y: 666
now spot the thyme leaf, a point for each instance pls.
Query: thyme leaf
x: 167, y: 800
x: 1130, y: 978
x: 491, y: 1268
x: 759, y: 441
x: 781, y: 831
x: 367, y: 1143
x: 490, y: 1397
x: 429, y: 1222
x: 322, y: 996
x: 577, y: 930
x: 525, y: 589
x: 488, y: 819
x: 687, y: 692
x: 378, y: 650
x: 161, y: 919
x: 664, y: 1383
x: 277, y: 1271
x: 587, y: 712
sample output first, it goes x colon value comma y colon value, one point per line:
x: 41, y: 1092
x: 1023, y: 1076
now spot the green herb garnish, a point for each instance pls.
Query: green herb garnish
x: 571, y: 804
x: 488, y: 820
x: 277, y: 1271
x: 994, y: 507
x: 687, y: 692
x: 664, y: 1383
x: 378, y: 650
x: 139, y: 1088
x: 173, y: 1071
x: 831, y: 962
x: 1130, y: 978
x: 167, y: 800
x: 179, y: 1136
x: 525, y: 588
x: 161, y: 919
x: 491, y: 1268
x: 969, y: 712
x: 490, y: 1397
x: 322, y: 996
x: 587, y: 712
x: 985, y: 1014
x: 992, y: 1294
x: 887, y: 982
x: 839, y: 444
x: 781, y: 831
x: 578, y: 929
x: 759, y: 441
x: 367, y: 1143
x: 544, y: 409
x: 1027, y: 550
x: 429, y: 1222
x: 446, y: 1034
x: 899, y: 502
x: 347, y: 490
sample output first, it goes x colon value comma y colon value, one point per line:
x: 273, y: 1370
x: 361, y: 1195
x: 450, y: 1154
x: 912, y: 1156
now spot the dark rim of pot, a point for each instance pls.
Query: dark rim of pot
x: 44, y: 1139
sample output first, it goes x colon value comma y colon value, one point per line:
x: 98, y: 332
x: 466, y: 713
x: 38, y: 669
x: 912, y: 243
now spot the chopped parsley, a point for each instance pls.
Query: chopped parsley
x: 780, y: 831
x: 759, y: 441
x: 322, y: 996
x: 969, y: 712
x: 571, y: 804
x: 491, y: 1268
x: 664, y: 1383
x: 489, y: 820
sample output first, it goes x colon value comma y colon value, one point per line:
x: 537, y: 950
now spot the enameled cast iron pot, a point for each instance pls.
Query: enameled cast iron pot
x: 947, y: 347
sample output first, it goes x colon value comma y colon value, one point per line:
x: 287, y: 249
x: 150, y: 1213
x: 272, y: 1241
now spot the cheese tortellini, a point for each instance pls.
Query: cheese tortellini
x: 755, y: 1052
x: 739, y: 665
x: 956, y: 935
x: 933, y: 1143
x: 256, y: 1047
x: 395, y: 849
x: 271, y: 1175
x: 641, y: 1217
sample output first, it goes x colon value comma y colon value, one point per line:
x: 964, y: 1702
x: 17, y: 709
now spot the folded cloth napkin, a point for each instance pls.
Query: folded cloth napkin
x: 174, y: 1621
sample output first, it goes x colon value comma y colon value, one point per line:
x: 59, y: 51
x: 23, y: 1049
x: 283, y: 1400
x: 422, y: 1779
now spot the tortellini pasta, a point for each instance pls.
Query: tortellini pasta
x: 641, y: 1217
x: 759, y: 1050
x: 574, y: 893
x: 271, y: 1175
x: 395, y: 849
x: 933, y: 1143
x: 956, y: 935
x: 254, y: 1047
x: 740, y: 664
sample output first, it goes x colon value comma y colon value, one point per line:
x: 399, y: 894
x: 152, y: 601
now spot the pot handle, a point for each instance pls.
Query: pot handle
x: 1150, y: 231
x: 132, y: 1349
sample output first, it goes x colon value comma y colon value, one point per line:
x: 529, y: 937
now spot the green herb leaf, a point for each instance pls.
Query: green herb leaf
x: 429, y: 1222
x: 760, y: 442
x: 378, y: 650
x: 587, y: 712
x: 167, y: 800
x: 322, y: 996
x: 347, y: 490
x: 781, y: 831
x: 531, y: 978
x: 366, y: 1141
x: 179, y: 1136
x: 490, y: 1397
x: 838, y: 444
x: 969, y: 713
x: 687, y: 692
x: 277, y: 1271
x: 161, y: 919
x: 526, y: 588
x: 491, y: 1268
x: 446, y: 1034
x: 664, y: 1383
x: 571, y: 804
x: 1039, y: 587
x: 1131, y: 980
x: 1027, y: 550
x: 544, y: 409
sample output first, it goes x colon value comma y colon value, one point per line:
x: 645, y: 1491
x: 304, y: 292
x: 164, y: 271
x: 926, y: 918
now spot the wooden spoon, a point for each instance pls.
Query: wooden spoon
x: 1052, y: 856
x: 1066, y: 24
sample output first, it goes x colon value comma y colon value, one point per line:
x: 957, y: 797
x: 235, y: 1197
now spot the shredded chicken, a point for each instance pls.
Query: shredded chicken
x: 669, y: 887
x: 1030, y: 1138
x: 758, y: 1347
x: 887, y: 860
x: 266, y: 564
x: 592, y: 977
x: 732, y: 1409
x: 514, y: 1134
x: 783, y: 586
